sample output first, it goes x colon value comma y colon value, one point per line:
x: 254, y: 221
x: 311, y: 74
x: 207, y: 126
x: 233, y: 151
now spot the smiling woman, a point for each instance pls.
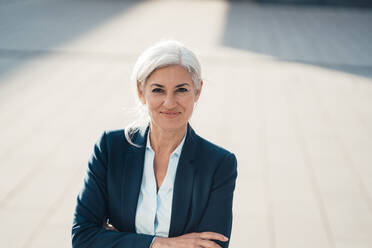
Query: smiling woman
x: 170, y: 96
x: 158, y: 184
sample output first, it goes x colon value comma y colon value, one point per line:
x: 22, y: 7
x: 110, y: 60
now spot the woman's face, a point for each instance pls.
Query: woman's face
x: 169, y: 94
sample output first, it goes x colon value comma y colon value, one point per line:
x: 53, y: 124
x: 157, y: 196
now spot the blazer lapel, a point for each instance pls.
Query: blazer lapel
x: 133, y: 172
x: 183, y: 185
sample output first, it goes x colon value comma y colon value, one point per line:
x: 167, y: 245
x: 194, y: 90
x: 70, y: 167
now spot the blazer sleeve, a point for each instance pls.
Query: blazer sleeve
x: 218, y: 212
x: 91, y: 209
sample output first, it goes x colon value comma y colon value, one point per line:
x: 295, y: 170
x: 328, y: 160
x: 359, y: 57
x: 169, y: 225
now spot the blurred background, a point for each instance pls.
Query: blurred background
x: 288, y: 89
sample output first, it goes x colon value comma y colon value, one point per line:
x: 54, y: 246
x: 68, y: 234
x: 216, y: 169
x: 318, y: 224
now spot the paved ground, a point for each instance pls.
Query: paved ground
x: 287, y: 88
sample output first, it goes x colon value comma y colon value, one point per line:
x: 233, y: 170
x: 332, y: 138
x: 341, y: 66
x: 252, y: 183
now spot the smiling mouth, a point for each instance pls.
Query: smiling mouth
x: 170, y: 114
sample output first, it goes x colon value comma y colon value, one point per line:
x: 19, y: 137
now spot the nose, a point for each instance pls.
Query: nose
x: 170, y: 101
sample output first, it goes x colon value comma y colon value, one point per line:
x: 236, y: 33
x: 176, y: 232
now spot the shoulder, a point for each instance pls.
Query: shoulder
x: 214, y: 153
x: 211, y: 148
x: 117, y: 135
x: 111, y: 140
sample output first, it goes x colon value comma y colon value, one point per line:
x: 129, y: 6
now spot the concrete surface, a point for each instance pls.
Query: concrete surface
x: 287, y: 88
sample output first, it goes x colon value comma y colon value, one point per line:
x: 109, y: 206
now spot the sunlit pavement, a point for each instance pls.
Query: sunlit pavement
x: 287, y: 88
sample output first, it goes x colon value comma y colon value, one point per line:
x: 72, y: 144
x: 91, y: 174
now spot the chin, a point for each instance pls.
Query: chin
x: 172, y: 126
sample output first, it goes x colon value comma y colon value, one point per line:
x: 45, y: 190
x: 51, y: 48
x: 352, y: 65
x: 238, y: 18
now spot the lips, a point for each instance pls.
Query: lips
x: 170, y: 114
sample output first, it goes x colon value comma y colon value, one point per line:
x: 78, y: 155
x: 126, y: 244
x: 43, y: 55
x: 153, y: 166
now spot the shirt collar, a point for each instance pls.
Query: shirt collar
x: 176, y: 151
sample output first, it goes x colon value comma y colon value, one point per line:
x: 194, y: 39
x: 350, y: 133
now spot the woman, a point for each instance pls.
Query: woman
x: 158, y: 184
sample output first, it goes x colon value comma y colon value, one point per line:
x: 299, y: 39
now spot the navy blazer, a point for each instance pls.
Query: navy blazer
x: 202, y: 194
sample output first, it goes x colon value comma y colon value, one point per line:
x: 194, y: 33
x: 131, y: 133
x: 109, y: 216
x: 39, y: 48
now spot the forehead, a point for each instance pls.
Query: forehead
x: 170, y: 76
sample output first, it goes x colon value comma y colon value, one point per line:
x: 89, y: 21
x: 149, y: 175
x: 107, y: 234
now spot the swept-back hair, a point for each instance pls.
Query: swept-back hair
x: 162, y: 54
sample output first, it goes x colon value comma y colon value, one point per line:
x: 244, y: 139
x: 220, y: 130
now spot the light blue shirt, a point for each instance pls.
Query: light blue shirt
x: 154, y: 209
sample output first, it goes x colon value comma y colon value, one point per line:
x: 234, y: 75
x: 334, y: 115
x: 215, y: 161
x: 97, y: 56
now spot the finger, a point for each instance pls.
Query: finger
x: 108, y: 226
x: 207, y: 244
x: 191, y: 235
x: 213, y: 235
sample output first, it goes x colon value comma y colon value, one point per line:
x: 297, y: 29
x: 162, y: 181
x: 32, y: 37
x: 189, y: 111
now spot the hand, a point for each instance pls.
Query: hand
x: 190, y: 240
x: 108, y: 226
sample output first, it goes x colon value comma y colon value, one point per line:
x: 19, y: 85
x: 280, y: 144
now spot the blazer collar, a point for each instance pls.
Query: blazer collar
x: 132, y: 179
x: 140, y: 139
x: 183, y: 184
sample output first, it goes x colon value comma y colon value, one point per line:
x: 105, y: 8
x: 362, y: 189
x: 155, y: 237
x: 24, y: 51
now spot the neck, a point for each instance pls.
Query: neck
x: 165, y: 141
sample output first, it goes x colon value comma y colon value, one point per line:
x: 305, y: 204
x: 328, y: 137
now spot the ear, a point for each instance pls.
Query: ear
x: 198, y: 91
x: 140, y: 93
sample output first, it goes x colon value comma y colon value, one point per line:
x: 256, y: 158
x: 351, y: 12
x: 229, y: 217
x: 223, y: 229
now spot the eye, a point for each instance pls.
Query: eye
x: 157, y: 90
x: 182, y: 90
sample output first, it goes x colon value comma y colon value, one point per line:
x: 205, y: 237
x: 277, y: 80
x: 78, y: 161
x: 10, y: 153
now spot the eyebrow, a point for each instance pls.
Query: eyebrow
x: 177, y: 86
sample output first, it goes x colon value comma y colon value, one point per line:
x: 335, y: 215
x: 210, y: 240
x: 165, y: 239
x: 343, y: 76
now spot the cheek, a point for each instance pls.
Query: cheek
x: 188, y: 103
x: 153, y: 103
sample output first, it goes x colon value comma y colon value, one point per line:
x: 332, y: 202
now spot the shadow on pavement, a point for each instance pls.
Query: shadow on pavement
x: 332, y: 37
x: 351, y: 3
x: 30, y: 29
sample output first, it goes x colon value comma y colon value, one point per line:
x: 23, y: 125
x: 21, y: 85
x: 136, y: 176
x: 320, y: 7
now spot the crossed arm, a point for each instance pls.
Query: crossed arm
x: 201, y: 239
x: 91, y: 211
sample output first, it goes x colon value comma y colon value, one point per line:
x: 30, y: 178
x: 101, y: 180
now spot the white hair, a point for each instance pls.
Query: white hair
x: 162, y: 54
x: 166, y: 53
